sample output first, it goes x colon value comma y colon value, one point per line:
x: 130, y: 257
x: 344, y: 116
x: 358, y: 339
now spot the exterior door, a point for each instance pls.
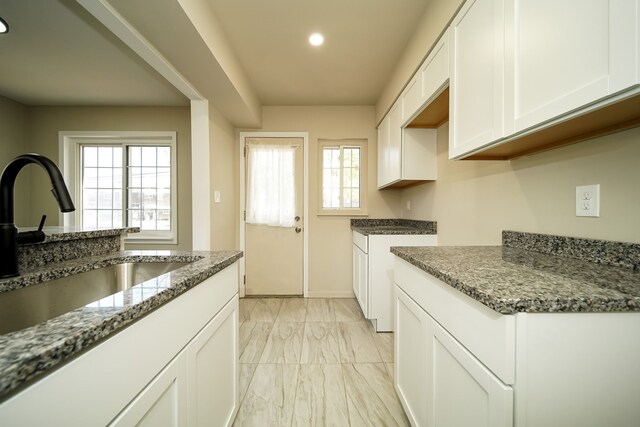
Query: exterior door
x: 274, y: 252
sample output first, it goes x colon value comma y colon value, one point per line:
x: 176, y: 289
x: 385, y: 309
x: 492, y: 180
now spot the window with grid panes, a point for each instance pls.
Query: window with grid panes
x: 341, y: 166
x: 125, y: 183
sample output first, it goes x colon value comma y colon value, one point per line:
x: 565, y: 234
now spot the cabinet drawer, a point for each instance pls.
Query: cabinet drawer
x: 487, y: 334
x: 361, y: 241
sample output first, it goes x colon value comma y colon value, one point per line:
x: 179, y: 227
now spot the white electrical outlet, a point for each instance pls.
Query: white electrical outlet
x: 216, y: 196
x: 588, y: 200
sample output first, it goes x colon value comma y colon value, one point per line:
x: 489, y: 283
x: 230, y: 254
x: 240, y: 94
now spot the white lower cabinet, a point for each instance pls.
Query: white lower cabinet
x: 373, y: 273
x: 177, y: 366
x: 459, y: 363
x: 163, y: 403
x: 438, y: 381
x: 464, y: 392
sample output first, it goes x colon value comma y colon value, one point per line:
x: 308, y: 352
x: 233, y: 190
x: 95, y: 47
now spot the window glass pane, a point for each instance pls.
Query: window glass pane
x: 117, y: 177
x: 148, y: 156
x: 148, y: 220
x: 346, y: 178
x: 164, y: 219
x: 164, y: 178
x: 164, y: 156
x: 105, y: 156
x: 117, y: 199
x: 89, y: 177
x: 89, y: 198
x: 105, y: 199
x: 117, y: 156
x: 90, y: 156
x: 135, y: 199
x: 148, y: 177
x: 355, y: 197
x: 135, y: 177
x: 105, y: 178
x: 347, y: 158
x: 117, y: 218
x: 335, y: 158
x: 164, y: 199
x: 89, y: 218
x: 149, y: 199
x: 104, y: 219
x: 135, y: 156
x: 134, y: 218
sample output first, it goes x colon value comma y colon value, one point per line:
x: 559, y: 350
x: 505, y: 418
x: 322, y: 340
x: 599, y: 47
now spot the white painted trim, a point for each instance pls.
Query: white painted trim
x: 200, y: 177
x: 118, y: 25
x: 305, y: 235
x: 68, y: 151
x: 330, y: 294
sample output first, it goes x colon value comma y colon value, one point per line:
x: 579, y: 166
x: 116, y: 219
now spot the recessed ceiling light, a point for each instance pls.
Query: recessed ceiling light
x: 4, y: 27
x: 316, y: 39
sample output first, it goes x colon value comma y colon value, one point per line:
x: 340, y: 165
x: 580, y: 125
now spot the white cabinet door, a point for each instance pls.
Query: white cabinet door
x: 411, y: 98
x: 411, y: 350
x: 565, y: 55
x: 163, y: 403
x: 213, y: 370
x: 383, y: 152
x: 394, y: 172
x: 465, y: 393
x: 361, y: 279
x: 434, y: 73
x: 476, y: 106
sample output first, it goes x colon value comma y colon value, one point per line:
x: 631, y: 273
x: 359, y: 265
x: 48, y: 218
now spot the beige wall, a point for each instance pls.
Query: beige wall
x: 473, y: 201
x: 13, y: 142
x: 46, y: 122
x: 224, y: 178
x: 436, y: 16
x: 330, y: 236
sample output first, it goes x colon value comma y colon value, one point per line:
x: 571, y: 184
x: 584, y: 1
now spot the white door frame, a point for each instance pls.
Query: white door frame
x: 305, y: 190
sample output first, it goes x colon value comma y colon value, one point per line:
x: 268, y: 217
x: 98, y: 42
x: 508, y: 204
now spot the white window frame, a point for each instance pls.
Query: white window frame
x: 69, y: 154
x: 344, y: 143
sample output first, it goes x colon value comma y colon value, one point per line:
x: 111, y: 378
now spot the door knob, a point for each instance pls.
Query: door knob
x: 298, y: 229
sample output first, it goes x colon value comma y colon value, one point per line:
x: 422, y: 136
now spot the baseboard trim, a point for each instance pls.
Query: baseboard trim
x: 330, y: 294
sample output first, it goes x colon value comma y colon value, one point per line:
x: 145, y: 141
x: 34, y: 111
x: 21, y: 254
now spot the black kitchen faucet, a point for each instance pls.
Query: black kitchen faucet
x: 9, y: 236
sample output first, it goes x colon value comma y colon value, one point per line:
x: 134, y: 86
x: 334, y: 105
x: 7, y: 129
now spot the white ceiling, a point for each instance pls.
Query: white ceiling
x: 58, y: 54
x: 363, y: 41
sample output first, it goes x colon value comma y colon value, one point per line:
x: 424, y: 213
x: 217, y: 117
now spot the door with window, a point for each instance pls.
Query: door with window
x: 274, y: 222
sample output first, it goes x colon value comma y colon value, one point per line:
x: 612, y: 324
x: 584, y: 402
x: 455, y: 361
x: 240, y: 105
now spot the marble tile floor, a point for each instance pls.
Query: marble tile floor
x: 314, y: 362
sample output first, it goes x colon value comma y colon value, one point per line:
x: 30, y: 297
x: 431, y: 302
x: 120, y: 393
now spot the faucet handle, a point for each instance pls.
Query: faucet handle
x: 42, y: 220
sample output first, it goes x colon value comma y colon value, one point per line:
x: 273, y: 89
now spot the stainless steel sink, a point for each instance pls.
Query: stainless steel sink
x: 33, y: 304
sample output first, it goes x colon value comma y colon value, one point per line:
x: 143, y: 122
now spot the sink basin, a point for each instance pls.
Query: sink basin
x: 34, y: 304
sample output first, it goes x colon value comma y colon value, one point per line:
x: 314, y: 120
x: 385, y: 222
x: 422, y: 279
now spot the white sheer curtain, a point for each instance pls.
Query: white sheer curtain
x: 271, y: 195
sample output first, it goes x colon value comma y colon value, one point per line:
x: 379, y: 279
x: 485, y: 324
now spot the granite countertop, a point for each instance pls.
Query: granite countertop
x: 511, y: 280
x: 29, y: 352
x: 59, y: 233
x: 393, y: 226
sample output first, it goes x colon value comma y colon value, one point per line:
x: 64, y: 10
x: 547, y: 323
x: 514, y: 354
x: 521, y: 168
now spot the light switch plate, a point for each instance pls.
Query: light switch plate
x: 216, y: 196
x: 588, y: 200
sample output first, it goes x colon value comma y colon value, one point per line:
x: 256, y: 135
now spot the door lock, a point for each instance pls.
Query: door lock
x: 297, y: 218
x: 298, y: 229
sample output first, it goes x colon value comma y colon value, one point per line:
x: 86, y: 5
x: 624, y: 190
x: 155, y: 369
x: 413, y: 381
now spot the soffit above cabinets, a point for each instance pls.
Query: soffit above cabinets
x: 58, y: 54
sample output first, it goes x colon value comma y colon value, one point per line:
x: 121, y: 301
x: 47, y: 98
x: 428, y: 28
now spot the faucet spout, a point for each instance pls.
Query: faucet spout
x: 8, y: 230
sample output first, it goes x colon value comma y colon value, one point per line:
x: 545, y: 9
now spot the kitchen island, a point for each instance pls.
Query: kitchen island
x: 128, y: 356
x: 540, y: 331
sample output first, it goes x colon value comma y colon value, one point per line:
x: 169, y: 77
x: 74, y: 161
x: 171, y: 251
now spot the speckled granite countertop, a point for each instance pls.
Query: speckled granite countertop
x: 58, y: 233
x: 368, y: 226
x: 29, y: 352
x: 512, y: 279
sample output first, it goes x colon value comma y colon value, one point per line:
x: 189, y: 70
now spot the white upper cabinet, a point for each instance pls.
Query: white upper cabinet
x: 383, y: 151
x: 428, y: 82
x: 564, y: 55
x: 476, y: 107
x: 394, y: 172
